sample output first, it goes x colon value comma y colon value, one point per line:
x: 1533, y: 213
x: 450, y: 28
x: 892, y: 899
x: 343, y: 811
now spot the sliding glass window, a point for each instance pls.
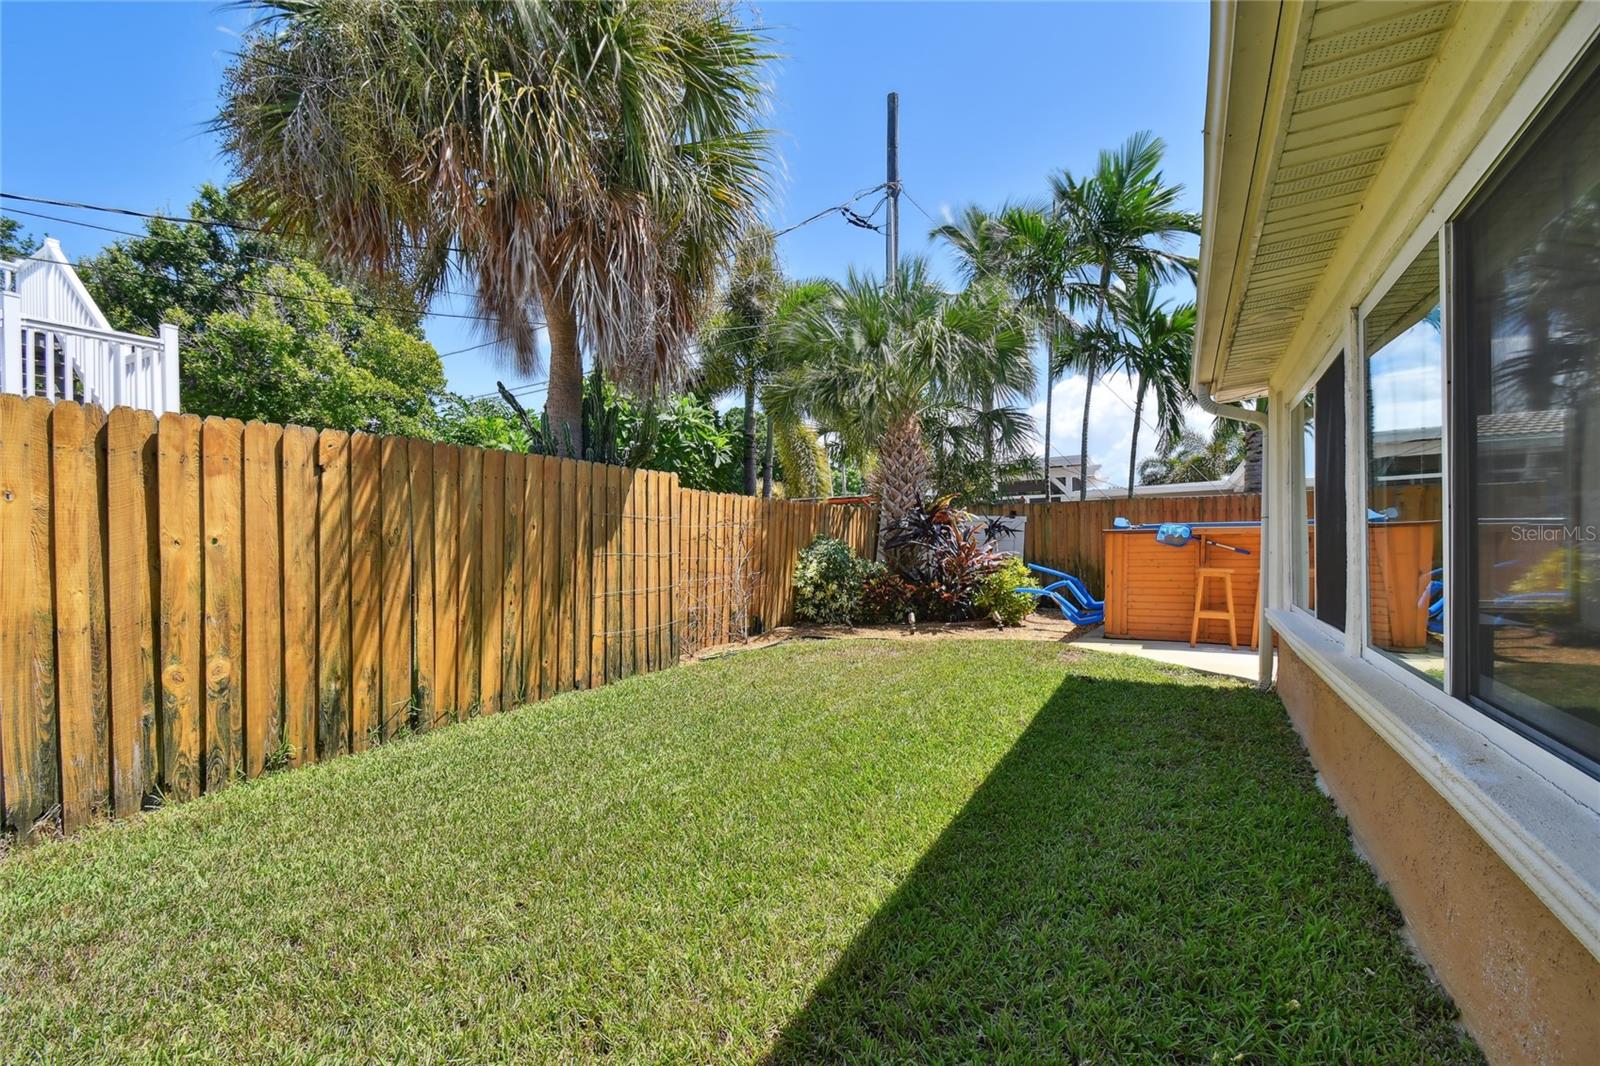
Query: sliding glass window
x: 1528, y: 277
x: 1405, y: 500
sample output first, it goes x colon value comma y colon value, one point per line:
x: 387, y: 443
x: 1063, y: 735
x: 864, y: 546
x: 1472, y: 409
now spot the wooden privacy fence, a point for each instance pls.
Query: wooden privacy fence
x: 187, y: 602
x: 736, y: 563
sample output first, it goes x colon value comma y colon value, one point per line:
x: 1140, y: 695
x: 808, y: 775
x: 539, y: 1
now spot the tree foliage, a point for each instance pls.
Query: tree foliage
x: 898, y: 371
x: 266, y: 333
x: 590, y: 163
x: 14, y: 244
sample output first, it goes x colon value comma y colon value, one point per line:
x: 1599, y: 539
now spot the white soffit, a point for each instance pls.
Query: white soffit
x: 1362, y: 66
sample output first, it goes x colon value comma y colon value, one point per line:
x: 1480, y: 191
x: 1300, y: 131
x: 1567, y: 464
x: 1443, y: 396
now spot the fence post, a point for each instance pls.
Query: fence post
x: 11, y: 341
x: 169, y: 369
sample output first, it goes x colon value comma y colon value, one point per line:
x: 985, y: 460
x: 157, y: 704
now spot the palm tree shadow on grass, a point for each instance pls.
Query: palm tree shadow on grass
x: 1148, y: 875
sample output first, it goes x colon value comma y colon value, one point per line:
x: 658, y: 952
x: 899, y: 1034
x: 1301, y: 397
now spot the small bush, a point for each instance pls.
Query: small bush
x: 997, y: 596
x: 828, y: 583
x: 886, y: 597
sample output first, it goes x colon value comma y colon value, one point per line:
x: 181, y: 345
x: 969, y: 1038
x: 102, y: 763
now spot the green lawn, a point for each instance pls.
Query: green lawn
x: 846, y: 850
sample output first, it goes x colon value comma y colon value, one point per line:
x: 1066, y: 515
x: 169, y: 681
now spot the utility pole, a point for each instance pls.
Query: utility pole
x: 891, y: 231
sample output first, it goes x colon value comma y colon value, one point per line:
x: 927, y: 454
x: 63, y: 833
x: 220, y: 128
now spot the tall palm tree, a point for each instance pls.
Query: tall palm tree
x: 1123, y: 218
x: 984, y: 251
x: 1042, y: 262
x: 1155, y: 351
x: 589, y: 163
x: 881, y: 367
x: 980, y: 241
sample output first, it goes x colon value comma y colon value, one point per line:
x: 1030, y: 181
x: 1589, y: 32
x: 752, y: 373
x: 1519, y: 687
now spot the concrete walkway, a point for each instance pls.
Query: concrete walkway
x: 1212, y: 658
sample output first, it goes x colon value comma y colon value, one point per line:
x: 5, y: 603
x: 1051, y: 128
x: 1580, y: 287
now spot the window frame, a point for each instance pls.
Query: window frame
x: 1464, y: 652
x: 1359, y: 633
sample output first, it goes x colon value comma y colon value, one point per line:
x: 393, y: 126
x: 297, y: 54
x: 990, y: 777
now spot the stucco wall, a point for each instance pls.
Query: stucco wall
x: 1527, y: 989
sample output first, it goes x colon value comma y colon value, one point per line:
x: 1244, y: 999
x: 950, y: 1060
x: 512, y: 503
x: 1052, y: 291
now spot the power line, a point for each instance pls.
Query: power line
x: 214, y: 223
x: 525, y: 389
x: 146, y: 236
x: 918, y: 206
x: 826, y: 211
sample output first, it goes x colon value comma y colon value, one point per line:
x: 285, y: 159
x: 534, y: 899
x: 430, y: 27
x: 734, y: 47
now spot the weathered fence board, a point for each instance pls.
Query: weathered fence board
x: 132, y: 575
x: 420, y: 483
x: 333, y: 594
x: 446, y: 566
x: 299, y: 522
x: 263, y: 569
x: 365, y: 588
x: 178, y: 475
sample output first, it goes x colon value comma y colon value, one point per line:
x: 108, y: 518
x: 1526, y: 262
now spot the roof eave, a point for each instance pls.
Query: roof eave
x: 1254, y: 50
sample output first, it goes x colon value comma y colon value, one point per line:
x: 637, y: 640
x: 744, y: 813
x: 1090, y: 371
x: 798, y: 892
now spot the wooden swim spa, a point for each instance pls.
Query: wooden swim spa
x: 1150, y: 586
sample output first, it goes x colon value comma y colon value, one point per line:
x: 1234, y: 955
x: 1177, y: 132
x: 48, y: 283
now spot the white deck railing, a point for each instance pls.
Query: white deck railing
x: 59, y: 361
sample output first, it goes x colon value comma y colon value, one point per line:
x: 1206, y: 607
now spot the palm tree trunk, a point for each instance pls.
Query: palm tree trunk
x: 990, y: 482
x: 563, y: 404
x: 1049, y: 400
x: 766, y: 466
x: 749, y: 431
x: 1093, y: 371
x: 901, y: 472
x: 1133, y: 449
x: 1090, y: 371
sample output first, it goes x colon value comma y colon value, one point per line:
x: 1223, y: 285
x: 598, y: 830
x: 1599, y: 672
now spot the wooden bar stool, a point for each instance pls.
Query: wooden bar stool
x: 1216, y: 573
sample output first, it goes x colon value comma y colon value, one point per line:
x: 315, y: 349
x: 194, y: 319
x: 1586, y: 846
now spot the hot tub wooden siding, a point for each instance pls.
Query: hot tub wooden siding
x: 1150, y: 586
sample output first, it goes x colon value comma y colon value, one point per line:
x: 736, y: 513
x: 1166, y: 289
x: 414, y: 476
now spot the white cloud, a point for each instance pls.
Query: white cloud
x: 1110, y: 423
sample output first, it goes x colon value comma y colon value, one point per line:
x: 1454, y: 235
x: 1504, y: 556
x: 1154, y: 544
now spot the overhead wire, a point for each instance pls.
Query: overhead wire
x: 135, y: 233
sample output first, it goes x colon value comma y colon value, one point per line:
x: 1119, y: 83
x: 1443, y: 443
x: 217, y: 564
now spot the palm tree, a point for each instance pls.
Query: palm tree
x: 1123, y: 218
x: 1193, y: 456
x: 1155, y: 351
x: 984, y: 250
x: 1042, y: 263
x: 884, y: 367
x: 980, y: 241
x: 587, y: 162
x: 736, y: 344
x: 742, y: 348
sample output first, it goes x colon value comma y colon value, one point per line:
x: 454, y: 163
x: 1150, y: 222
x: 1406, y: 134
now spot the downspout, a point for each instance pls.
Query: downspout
x: 1202, y: 395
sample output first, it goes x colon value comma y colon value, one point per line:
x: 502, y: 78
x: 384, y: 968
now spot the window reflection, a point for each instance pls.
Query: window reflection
x: 1531, y: 259
x: 1305, y: 577
x: 1405, y: 416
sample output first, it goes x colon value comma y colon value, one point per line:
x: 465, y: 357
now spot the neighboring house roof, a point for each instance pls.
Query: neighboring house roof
x: 1505, y: 424
x: 51, y: 291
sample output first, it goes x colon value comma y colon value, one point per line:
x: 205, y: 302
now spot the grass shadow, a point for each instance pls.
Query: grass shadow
x: 1148, y: 875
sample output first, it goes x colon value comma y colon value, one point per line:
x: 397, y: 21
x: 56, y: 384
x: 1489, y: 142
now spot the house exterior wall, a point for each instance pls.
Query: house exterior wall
x: 1528, y: 990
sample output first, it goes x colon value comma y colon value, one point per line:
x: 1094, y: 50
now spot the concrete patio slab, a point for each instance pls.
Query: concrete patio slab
x: 1211, y: 658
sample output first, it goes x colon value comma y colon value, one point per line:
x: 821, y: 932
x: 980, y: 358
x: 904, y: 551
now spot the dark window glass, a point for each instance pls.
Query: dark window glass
x: 1329, y: 556
x: 1530, y: 281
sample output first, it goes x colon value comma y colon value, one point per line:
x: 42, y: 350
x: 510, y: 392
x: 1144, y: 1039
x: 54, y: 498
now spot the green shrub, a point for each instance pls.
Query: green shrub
x: 828, y: 582
x: 886, y: 597
x: 997, y: 596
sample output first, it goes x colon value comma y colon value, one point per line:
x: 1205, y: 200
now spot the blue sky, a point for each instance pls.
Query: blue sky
x: 993, y: 98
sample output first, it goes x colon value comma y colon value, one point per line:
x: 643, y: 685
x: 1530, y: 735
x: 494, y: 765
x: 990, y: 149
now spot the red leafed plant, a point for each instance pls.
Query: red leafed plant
x: 944, y: 555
